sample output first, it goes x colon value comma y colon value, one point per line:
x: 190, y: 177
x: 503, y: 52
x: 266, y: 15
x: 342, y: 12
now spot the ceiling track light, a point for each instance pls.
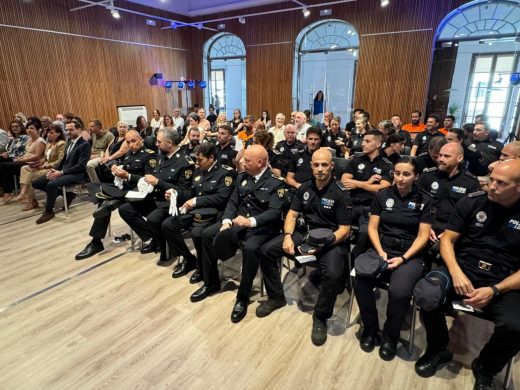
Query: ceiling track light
x: 384, y: 3
x: 113, y: 11
x: 242, y: 20
x: 306, y: 12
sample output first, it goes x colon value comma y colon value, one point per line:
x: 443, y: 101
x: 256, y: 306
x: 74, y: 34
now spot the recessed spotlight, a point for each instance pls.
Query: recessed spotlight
x: 306, y: 12
x: 384, y: 3
x: 221, y: 26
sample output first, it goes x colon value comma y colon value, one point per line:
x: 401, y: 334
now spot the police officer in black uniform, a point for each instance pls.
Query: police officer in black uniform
x: 193, y: 140
x: 285, y: 151
x: 210, y: 192
x: 481, y: 150
x: 364, y: 176
x: 173, y: 172
x: 226, y: 154
x: 485, y: 268
x: 446, y: 184
x: 422, y: 139
x: 324, y: 203
x: 300, y: 168
x: 252, y: 216
x: 393, y: 147
x: 399, y: 229
x: 429, y: 159
x: 137, y: 161
x: 335, y: 138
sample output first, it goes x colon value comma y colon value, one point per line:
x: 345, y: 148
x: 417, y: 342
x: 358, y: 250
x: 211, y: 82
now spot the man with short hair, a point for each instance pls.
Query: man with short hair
x: 300, y: 121
x: 415, y: 126
x: 480, y: 251
x: 59, y: 117
x: 226, y: 154
x: 278, y: 129
x: 178, y: 120
x: 193, y: 140
x: 46, y: 126
x: 429, y: 159
x: 398, y: 124
x: 481, y: 150
x: 322, y: 202
x: 211, y: 117
x: 71, y: 171
x: 246, y: 134
x: 285, y: 150
x: 422, y: 139
x: 101, y: 139
x: 455, y: 135
x: 252, y: 216
x: 327, y: 117
x: 300, y: 168
x: 137, y: 161
x: 449, y: 122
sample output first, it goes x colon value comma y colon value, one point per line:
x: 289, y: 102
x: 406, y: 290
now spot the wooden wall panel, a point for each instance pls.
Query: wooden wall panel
x: 394, y: 63
x: 42, y: 73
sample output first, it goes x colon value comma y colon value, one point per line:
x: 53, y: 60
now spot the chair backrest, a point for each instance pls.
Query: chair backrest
x: 340, y: 166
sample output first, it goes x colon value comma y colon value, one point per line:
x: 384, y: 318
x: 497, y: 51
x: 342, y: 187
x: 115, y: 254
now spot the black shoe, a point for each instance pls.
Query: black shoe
x: 319, y: 331
x: 368, y: 343
x: 90, y: 250
x: 149, y: 248
x: 184, y: 267
x: 69, y: 197
x: 196, y: 277
x: 106, y: 208
x: 267, y: 307
x: 429, y: 363
x: 45, y: 217
x: 483, y: 380
x: 388, y: 349
x: 239, y: 310
x: 203, y: 293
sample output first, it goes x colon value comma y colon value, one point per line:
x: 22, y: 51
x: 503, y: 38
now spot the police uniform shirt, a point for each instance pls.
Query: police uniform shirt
x: 212, y: 188
x: 362, y: 169
x: 142, y: 162
x: 284, y: 153
x: 326, y: 208
x: 261, y: 199
x: 445, y: 191
x: 422, y: 140
x: 490, y: 237
x: 329, y: 141
x: 393, y: 158
x: 400, y: 216
x: 226, y: 155
x: 479, y: 154
x: 189, y: 152
x: 424, y: 161
x: 355, y: 143
x: 301, y: 166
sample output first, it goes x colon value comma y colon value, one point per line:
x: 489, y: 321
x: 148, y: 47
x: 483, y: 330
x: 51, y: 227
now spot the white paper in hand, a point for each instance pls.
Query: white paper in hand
x: 173, y: 202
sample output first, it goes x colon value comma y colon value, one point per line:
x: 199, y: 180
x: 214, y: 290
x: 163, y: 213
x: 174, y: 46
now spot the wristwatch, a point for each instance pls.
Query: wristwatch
x: 496, y: 292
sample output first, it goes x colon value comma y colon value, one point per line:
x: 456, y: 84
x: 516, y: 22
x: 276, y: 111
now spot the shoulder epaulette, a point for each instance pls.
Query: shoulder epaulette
x: 422, y: 154
x: 227, y: 167
x: 359, y: 154
x: 189, y: 160
x: 468, y: 173
x: 386, y: 160
x: 278, y: 177
x: 341, y: 185
x: 432, y: 169
x: 477, y: 193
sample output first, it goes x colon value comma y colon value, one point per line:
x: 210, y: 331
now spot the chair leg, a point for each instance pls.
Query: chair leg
x: 412, y: 327
x: 509, y: 372
x: 132, y: 240
x: 109, y: 232
x: 15, y: 178
x: 262, y: 286
x: 65, y: 201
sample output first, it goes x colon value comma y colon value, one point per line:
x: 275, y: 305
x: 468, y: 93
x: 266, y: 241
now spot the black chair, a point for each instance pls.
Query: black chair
x: 340, y: 166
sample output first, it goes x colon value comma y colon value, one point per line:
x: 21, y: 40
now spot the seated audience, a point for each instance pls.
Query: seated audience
x: 157, y: 121
x: 101, y: 140
x: 278, y: 128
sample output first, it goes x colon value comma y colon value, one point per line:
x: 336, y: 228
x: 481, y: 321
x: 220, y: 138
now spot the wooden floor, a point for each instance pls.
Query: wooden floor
x: 118, y: 321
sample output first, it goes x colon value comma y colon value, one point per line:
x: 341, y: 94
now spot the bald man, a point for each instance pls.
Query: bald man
x: 252, y: 217
x: 485, y: 229
x: 324, y: 203
x: 446, y: 184
x: 509, y: 152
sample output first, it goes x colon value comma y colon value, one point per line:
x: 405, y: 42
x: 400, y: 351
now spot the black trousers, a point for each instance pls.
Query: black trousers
x: 7, y: 172
x: 401, y: 280
x: 209, y: 266
x: 172, y: 227
x: 52, y: 187
x: 331, y: 263
x: 133, y: 213
x: 360, y: 219
x: 505, y: 340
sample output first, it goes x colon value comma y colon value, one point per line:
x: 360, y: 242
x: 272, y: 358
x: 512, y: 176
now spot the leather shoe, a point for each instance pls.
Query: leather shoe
x: 149, y: 248
x: 196, y: 277
x: 388, y: 349
x: 484, y: 380
x: 368, y: 343
x: 267, y: 307
x: 203, y: 293
x: 319, y: 331
x: 239, y: 311
x: 45, y: 217
x: 184, y: 267
x: 90, y: 250
x: 429, y: 363
x: 106, y: 208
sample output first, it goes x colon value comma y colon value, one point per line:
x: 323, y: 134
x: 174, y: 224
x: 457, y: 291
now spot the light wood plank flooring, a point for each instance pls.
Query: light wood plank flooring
x: 127, y: 324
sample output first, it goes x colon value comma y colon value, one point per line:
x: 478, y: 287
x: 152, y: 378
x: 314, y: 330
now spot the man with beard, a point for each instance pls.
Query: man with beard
x: 226, y: 154
x: 300, y: 168
x: 193, y: 140
x: 416, y: 126
x: 481, y: 150
x: 285, y: 151
x: 422, y: 140
x: 429, y: 159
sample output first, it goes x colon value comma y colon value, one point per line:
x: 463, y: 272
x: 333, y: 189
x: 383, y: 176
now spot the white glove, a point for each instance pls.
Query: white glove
x: 173, y: 203
x: 144, y: 187
x: 118, y: 182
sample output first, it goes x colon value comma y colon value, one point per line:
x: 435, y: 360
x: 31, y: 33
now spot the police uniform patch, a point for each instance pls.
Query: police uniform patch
x: 281, y: 191
x: 228, y: 180
x: 481, y: 216
x: 197, y: 178
x: 435, y: 185
x: 244, y: 183
x: 424, y: 138
x: 305, y: 195
x: 389, y: 203
x: 361, y: 166
x: 300, y: 160
x: 282, y: 149
x: 152, y: 162
x: 188, y: 173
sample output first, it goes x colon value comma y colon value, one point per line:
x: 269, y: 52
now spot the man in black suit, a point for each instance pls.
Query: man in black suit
x: 72, y: 170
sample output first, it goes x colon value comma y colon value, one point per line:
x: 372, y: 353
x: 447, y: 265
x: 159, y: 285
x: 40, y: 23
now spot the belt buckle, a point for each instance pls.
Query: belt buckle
x: 484, y: 265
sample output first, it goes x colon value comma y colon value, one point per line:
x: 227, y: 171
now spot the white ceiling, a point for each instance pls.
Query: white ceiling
x: 194, y: 8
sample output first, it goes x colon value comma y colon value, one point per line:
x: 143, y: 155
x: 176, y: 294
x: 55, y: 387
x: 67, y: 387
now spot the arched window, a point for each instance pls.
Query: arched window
x: 224, y: 67
x: 325, y: 59
x: 476, y: 53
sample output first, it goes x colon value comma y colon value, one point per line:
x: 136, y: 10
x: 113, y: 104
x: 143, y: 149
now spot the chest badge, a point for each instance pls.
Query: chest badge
x: 188, y: 173
x: 435, y: 185
x: 481, y: 216
x: 197, y: 178
x: 282, y: 149
x: 389, y: 203
x: 361, y: 166
x: 300, y: 160
x: 228, y: 180
x: 152, y: 162
x: 244, y: 183
x: 305, y: 195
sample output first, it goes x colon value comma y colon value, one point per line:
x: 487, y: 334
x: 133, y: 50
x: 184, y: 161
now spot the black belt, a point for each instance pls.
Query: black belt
x: 484, y: 265
x: 396, y: 243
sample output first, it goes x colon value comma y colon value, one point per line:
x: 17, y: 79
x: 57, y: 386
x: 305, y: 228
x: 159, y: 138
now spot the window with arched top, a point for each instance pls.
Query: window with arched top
x: 325, y: 59
x: 224, y: 67
x: 475, y: 57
